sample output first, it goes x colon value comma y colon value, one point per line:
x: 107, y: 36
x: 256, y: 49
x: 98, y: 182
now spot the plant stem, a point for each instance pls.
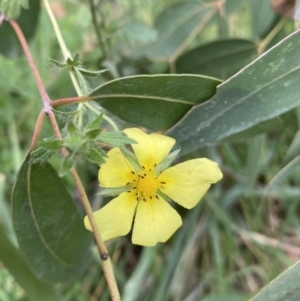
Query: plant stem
x: 37, y: 129
x: 35, y: 73
x: 105, y: 259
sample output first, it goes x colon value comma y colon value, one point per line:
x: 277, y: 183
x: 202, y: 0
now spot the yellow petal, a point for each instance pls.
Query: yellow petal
x: 115, y: 218
x: 155, y: 221
x: 116, y: 171
x: 150, y: 149
x: 187, y: 182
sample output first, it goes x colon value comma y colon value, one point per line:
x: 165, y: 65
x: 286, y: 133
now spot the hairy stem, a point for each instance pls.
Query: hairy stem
x: 105, y: 259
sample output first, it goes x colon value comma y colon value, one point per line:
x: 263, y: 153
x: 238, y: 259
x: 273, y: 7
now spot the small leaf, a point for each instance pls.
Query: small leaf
x: 71, y: 128
x: 95, y: 123
x: 90, y: 73
x: 93, y: 134
x: 113, y: 191
x: 48, y: 227
x: 57, y: 63
x: 67, y: 164
x: 116, y: 139
x: 95, y: 156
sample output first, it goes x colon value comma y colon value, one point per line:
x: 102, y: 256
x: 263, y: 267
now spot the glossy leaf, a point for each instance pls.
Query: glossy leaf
x: 259, y: 92
x: 279, y: 288
x: 49, y: 229
x: 17, y: 265
x: 175, y: 26
x: 220, y: 59
x: 156, y: 102
x: 27, y: 20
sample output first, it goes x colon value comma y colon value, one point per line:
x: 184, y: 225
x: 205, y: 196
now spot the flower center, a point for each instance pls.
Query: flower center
x: 147, y: 185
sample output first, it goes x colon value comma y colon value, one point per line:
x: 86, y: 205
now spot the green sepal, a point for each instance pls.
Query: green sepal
x: 113, y: 191
x: 71, y: 128
x: 130, y: 156
x: 93, y: 134
x: 90, y: 73
x: 117, y: 139
x: 167, y: 161
x: 95, y: 123
x: 57, y: 63
x: 96, y: 155
x: 73, y: 62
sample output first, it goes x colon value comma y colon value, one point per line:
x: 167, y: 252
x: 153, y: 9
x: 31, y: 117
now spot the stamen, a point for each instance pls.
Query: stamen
x: 128, y: 183
x: 133, y: 172
x: 134, y: 187
x: 145, y: 175
x: 128, y: 191
x: 155, y: 165
x: 137, y: 198
x: 144, y: 199
x: 142, y: 177
x: 162, y: 182
x: 151, y: 197
x: 143, y: 167
x: 156, y: 196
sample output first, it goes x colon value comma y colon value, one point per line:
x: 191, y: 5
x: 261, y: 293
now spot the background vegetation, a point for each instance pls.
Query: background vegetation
x: 245, y: 232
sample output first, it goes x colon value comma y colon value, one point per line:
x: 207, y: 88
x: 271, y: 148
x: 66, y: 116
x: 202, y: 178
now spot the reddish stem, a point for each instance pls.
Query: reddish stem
x: 37, y: 129
x: 36, y: 75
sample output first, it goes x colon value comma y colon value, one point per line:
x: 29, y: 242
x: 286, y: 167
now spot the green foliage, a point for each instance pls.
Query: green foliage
x: 221, y: 77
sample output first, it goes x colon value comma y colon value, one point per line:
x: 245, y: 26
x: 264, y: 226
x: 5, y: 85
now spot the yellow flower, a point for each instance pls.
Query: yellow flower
x: 145, y: 184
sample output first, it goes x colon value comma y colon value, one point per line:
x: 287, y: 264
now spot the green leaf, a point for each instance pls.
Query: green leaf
x: 95, y: 156
x: 219, y: 59
x: 12, y: 8
x: 92, y: 134
x: 28, y: 20
x: 116, y: 139
x: 259, y: 92
x: 49, y: 229
x: 57, y: 63
x: 281, y: 286
x: 176, y: 26
x: 156, y: 102
x: 52, y: 145
x: 17, y: 265
x: 90, y: 73
x: 95, y: 124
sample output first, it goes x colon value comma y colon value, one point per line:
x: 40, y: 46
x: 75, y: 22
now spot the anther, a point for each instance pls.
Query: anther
x: 151, y: 197
x: 137, y: 198
x: 144, y: 199
x: 145, y: 175
x: 162, y: 182
x: 133, y: 172
x: 142, y: 177
x: 143, y: 167
x: 156, y: 196
x: 155, y: 165
x: 128, y: 183
x: 134, y: 187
